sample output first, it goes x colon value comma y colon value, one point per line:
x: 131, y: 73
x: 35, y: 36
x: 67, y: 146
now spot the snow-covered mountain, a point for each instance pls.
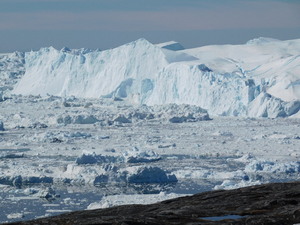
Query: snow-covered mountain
x: 258, y: 79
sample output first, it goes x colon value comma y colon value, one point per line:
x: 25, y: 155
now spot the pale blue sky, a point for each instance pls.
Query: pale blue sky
x: 31, y: 24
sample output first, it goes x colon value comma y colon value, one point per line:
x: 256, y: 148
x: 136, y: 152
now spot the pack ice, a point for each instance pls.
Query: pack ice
x: 258, y: 79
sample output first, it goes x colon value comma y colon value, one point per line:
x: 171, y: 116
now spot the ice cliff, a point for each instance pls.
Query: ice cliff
x: 258, y: 79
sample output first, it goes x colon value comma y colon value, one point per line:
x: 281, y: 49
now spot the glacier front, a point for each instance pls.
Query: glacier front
x: 258, y: 79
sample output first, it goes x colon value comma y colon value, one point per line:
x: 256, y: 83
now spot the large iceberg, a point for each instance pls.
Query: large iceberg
x: 258, y: 79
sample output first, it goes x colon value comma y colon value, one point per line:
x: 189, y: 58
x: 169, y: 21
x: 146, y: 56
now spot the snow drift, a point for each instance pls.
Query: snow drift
x: 258, y: 79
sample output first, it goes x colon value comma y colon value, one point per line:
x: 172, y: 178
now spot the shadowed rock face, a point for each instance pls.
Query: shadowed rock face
x: 265, y: 204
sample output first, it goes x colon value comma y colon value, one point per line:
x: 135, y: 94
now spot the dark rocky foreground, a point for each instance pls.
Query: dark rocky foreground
x: 265, y: 204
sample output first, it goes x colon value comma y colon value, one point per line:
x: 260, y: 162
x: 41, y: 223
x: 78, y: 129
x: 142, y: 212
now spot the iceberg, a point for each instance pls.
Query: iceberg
x: 257, y: 79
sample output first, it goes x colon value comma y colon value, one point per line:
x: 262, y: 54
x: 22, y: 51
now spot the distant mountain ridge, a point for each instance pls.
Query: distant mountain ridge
x: 258, y: 79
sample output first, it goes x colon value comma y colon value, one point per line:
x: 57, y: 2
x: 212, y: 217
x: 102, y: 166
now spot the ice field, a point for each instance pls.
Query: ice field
x: 83, y: 129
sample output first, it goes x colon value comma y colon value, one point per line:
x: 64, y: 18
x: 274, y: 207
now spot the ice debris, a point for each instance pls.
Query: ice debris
x: 11, y: 155
x: 41, y: 192
x: 62, y: 136
x: 146, y: 175
x: 47, y: 193
x: 76, y: 119
x: 1, y: 126
x: 272, y: 167
x: 124, y: 115
x: 110, y: 173
x: 93, y: 158
x: 135, y: 155
x: 19, y: 181
x: 15, y: 215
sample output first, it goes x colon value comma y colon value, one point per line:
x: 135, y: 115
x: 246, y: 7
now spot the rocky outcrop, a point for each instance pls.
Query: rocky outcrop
x: 265, y: 204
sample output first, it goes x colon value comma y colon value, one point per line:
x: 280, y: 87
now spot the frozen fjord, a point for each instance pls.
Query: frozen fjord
x: 87, y: 150
x: 60, y: 154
